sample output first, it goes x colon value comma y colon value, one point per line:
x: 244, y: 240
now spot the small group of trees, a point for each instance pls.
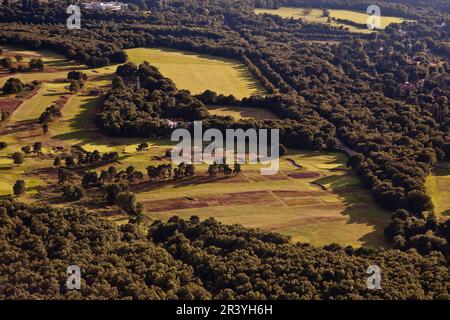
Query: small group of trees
x: 76, y: 79
x: 35, y: 148
x: 130, y: 174
x: 48, y: 116
x: 36, y: 64
x: 165, y: 172
x: 223, y: 168
x: 13, y: 85
x: 72, y: 192
x: 86, y: 159
x: 33, y: 64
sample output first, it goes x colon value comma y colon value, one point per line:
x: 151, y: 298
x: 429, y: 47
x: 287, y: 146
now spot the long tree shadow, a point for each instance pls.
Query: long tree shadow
x: 360, y: 208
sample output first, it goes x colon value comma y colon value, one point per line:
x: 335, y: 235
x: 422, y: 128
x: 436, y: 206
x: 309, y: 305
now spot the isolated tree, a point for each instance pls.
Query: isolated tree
x: 18, y: 58
x: 37, y: 147
x: 142, y: 147
x: 19, y: 188
x: 74, y: 86
x: 77, y: 75
x: 36, y: 64
x: 18, y: 158
x: 45, y: 128
x: 13, y: 85
x: 4, y: 115
x: 213, y: 169
x: 190, y: 171
x: 6, y: 63
x: 3, y: 145
x: 73, y: 192
x: 26, y: 149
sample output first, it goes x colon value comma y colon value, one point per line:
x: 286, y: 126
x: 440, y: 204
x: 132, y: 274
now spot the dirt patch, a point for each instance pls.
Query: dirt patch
x: 61, y: 102
x: 241, y: 198
x: 9, y: 104
x: 304, y: 175
x: 277, y: 177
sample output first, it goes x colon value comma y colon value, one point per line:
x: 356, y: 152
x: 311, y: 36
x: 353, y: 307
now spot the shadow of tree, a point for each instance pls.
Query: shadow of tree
x: 360, y: 208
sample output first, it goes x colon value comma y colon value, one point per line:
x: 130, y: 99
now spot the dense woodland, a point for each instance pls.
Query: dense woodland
x: 384, y: 95
x: 193, y: 260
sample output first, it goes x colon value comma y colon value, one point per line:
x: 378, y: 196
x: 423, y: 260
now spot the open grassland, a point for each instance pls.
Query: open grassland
x: 198, y: 72
x: 316, y: 15
x: 319, y: 203
x: 438, y: 187
x: 52, y: 60
x: 242, y: 113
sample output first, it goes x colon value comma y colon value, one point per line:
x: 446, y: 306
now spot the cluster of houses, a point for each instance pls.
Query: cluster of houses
x: 105, y: 6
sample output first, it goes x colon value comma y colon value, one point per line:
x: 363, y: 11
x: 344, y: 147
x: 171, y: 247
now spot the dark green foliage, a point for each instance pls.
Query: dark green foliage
x: 39, y: 243
x: 72, y: 192
x: 19, y: 187
x: 18, y: 158
x: 192, y: 260
x: 13, y: 85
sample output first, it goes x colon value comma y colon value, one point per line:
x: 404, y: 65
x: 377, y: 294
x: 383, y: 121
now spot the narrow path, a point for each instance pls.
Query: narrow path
x: 346, y: 149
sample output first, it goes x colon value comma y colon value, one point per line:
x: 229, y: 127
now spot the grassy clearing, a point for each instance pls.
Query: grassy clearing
x: 316, y: 16
x: 242, y: 113
x: 51, y: 59
x: 32, y: 108
x: 198, y: 72
x: 438, y: 187
x: 344, y: 213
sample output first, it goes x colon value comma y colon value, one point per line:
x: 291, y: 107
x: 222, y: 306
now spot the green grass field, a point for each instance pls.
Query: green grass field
x: 316, y: 16
x: 198, y: 72
x: 242, y: 113
x: 438, y: 187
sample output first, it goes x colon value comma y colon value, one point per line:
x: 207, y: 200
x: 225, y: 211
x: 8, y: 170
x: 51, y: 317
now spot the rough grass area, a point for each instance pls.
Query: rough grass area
x: 242, y: 113
x: 316, y: 15
x: 198, y: 72
x: 319, y: 209
x: 438, y: 187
